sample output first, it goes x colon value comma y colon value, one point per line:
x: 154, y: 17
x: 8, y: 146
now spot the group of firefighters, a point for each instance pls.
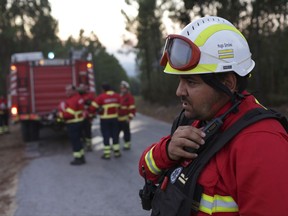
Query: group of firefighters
x: 115, y: 111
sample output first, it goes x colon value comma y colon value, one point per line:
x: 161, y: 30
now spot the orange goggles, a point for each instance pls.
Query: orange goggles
x: 180, y: 52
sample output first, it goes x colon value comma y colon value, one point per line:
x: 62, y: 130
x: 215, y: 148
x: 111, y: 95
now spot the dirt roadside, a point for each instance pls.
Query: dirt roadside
x: 12, y: 160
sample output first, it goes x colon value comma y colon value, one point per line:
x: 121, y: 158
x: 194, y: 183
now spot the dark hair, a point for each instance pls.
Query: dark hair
x: 106, y: 87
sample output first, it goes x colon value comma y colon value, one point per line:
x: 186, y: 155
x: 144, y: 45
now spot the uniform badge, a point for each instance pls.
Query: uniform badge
x: 174, y: 175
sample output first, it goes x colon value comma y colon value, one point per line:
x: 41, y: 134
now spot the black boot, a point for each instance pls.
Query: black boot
x: 78, y: 161
x: 106, y: 156
x: 117, y: 154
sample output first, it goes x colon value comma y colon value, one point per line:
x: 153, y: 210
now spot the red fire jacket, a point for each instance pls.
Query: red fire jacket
x: 71, y: 110
x: 127, y: 108
x: 89, y: 110
x: 248, y: 176
x: 108, y: 104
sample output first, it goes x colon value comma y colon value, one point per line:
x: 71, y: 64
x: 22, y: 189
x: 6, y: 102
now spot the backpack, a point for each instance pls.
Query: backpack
x: 182, y: 195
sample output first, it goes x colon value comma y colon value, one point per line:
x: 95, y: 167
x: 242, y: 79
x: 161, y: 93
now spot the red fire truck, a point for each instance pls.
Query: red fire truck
x: 37, y: 86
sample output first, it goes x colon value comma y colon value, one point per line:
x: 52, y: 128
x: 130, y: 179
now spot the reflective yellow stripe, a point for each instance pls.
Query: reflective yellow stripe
x: 112, y: 105
x: 116, y: 147
x: 206, y: 33
x: 123, y: 118
x: 74, y: 120
x: 257, y: 102
x: 151, y: 163
x: 200, y: 41
x: 78, y: 154
x: 108, y: 106
x: 110, y: 92
x: 78, y: 115
x: 109, y: 116
x: 217, y: 203
x: 70, y: 111
x: 207, y: 68
x: 132, y: 106
x: 94, y: 104
x: 107, y: 150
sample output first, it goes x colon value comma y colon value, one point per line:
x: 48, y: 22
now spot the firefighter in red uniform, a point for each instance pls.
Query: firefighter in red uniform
x: 107, y: 104
x: 71, y: 110
x: 248, y: 176
x: 89, y: 114
x: 4, y: 116
x: 126, y: 113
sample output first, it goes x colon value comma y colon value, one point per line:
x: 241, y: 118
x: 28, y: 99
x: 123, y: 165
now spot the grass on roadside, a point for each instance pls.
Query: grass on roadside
x: 160, y: 112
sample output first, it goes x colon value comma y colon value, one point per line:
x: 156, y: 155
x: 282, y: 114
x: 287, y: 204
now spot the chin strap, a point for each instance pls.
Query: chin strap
x: 215, y: 83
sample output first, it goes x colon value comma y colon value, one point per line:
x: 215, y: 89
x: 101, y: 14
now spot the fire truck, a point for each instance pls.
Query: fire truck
x: 37, y: 86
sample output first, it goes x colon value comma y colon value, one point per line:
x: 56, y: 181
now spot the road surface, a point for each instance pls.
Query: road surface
x: 50, y: 186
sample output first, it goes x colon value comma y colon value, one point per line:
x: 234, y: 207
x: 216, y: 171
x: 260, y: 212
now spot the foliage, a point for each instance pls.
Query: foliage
x: 24, y: 25
x: 27, y: 26
x: 106, y: 67
x: 154, y: 86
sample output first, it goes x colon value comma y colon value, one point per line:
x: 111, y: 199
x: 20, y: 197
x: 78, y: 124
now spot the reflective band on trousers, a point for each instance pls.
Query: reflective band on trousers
x: 78, y: 154
x: 209, y: 204
x: 151, y: 163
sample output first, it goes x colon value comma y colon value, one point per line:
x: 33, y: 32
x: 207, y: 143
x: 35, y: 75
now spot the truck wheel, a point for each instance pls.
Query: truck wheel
x: 25, y: 131
x: 34, y: 130
x: 30, y: 130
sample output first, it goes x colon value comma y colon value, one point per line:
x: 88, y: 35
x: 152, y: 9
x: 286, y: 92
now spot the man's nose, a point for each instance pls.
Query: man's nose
x: 181, y: 90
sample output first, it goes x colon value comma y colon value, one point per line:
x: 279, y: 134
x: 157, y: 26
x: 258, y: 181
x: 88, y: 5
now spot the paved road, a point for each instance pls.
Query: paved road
x: 49, y: 186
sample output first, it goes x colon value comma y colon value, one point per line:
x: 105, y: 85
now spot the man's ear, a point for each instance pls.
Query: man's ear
x: 231, y: 81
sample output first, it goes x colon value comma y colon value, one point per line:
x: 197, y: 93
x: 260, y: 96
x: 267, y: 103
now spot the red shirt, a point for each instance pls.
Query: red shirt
x: 251, y: 168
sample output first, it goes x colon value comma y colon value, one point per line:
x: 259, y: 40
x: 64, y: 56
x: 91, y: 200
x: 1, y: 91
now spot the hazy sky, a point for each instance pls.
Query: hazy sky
x: 104, y: 18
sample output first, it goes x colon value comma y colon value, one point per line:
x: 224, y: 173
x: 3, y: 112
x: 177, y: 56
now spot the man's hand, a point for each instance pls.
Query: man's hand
x: 185, y: 136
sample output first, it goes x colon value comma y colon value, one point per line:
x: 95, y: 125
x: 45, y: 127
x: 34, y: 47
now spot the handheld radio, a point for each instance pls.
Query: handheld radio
x: 212, y: 127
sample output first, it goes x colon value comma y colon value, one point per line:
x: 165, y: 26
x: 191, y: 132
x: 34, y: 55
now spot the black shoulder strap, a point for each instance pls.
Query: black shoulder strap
x: 249, y: 118
x: 180, y: 120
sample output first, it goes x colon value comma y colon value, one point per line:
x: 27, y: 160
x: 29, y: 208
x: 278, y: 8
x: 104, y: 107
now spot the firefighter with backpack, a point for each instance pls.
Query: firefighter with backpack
x: 204, y: 167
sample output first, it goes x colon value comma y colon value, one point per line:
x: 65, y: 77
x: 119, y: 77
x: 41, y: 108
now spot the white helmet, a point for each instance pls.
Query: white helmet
x: 222, y: 49
x: 125, y: 84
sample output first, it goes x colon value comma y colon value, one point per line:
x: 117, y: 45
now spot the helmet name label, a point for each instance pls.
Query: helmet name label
x: 224, y: 45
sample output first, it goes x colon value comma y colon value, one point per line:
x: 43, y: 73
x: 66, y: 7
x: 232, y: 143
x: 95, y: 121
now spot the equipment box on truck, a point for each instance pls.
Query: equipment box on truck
x: 37, y: 86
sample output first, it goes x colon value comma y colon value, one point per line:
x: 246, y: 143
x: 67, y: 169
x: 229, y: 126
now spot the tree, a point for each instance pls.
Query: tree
x: 147, y: 26
x: 106, y: 66
x: 22, y: 25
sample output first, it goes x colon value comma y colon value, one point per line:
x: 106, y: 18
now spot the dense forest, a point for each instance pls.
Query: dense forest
x: 28, y: 26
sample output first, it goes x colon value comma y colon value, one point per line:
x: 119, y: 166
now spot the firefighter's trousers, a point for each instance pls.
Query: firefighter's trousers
x: 110, y: 129
x: 87, y: 128
x: 125, y: 127
x: 75, y: 133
